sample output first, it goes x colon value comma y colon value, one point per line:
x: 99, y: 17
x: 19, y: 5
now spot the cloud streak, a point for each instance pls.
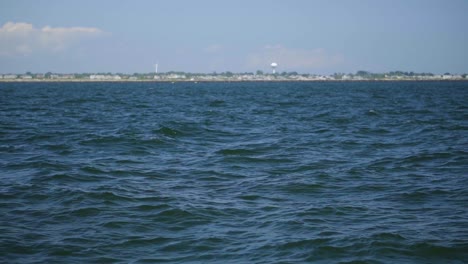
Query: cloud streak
x: 294, y: 59
x: 24, y: 39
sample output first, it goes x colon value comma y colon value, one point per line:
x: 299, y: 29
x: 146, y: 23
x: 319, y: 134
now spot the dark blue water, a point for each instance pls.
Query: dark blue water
x: 234, y: 172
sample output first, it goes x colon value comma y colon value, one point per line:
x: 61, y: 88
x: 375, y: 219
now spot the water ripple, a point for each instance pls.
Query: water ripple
x: 234, y: 172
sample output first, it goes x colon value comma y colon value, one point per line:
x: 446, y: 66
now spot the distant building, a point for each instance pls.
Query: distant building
x: 26, y: 77
x: 10, y: 76
x: 447, y: 77
x: 66, y: 76
x: 99, y: 77
x: 96, y: 77
x: 176, y: 76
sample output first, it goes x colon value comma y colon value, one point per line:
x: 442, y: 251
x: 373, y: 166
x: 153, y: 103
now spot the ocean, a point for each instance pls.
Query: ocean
x: 261, y: 172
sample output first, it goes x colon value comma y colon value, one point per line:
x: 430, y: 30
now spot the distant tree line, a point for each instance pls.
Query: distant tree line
x: 360, y: 73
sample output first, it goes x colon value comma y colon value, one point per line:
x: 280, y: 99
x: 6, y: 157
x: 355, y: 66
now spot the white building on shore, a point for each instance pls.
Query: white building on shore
x: 99, y: 77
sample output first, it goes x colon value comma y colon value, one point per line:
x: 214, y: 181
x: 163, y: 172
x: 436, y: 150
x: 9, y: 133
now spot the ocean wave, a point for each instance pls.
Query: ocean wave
x: 233, y: 172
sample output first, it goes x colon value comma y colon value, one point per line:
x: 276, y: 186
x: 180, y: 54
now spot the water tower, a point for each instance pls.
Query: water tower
x: 273, y: 67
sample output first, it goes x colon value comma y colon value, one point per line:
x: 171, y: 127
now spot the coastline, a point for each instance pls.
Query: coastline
x: 217, y: 81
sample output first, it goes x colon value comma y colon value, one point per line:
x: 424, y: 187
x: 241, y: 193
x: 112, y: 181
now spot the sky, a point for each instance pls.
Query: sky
x: 205, y: 36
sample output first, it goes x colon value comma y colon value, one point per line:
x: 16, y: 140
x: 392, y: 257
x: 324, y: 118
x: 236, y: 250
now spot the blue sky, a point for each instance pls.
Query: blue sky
x: 308, y: 36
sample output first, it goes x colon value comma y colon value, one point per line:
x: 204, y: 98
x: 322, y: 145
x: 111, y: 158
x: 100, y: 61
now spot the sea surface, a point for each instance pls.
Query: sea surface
x: 317, y: 172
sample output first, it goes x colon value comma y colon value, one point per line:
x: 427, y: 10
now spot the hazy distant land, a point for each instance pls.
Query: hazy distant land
x: 227, y: 76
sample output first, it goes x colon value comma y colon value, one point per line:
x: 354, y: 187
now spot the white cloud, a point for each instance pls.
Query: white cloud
x: 24, y: 38
x: 293, y: 59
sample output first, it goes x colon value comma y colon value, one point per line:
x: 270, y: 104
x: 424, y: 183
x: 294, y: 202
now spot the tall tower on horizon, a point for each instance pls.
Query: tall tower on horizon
x: 273, y: 67
x: 156, y: 68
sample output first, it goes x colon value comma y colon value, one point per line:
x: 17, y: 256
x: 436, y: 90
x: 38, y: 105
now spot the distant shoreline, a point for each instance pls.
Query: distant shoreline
x: 213, y: 81
x: 228, y: 77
